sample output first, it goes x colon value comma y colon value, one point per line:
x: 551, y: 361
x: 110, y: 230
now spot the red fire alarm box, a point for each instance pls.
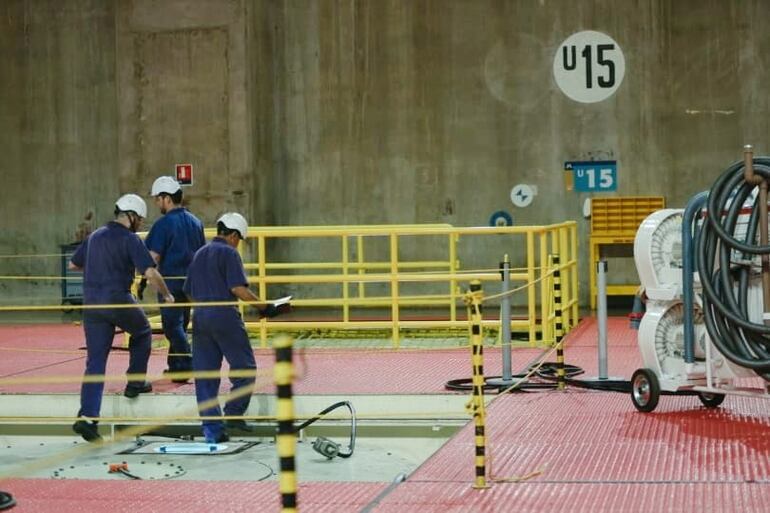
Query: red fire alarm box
x: 184, y: 174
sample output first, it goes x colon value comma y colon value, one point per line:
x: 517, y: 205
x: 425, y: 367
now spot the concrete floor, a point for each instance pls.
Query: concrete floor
x: 68, y: 457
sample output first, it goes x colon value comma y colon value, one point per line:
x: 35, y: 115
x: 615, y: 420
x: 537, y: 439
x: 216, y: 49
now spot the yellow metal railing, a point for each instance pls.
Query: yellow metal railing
x: 437, y: 273
x: 538, y: 242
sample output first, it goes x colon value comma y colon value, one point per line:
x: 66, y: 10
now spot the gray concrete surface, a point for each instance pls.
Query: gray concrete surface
x: 69, y: 457
x: 337, y: 112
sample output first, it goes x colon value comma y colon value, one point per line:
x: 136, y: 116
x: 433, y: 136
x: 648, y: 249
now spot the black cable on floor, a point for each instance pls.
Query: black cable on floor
x: 466, y: 384
x: 6, y: 500
x: 546, y: 373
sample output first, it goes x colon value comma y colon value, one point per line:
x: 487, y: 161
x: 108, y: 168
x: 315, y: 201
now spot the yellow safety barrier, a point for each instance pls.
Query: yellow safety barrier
x: 473, y: 300
x: 382, y: 260
x: 385, y: 266
x: 286, y: 440
x: 559, y: 325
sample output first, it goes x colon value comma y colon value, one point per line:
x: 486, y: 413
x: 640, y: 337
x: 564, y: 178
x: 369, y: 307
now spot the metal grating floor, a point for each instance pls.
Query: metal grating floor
x: 577, y: 497
x: 50, y: 351
x: 593, y: 452
x: 46, y: 495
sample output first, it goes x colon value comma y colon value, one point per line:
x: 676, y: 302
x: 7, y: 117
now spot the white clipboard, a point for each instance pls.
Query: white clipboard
x: 280, y: 301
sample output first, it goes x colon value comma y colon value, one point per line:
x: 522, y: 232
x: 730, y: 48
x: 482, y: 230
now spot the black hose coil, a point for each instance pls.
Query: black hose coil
x: 726, y: 280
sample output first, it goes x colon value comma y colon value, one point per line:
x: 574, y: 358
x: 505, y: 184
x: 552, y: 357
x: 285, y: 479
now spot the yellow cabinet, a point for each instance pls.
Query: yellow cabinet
x: 614, y: 222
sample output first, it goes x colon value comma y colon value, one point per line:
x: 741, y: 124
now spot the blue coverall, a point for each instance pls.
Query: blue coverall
x: 108, y: 259
x: 219, y: 331
x: 176, y: 237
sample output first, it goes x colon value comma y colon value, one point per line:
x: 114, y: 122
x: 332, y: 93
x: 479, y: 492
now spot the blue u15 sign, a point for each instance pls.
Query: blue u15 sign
x: 594, y: 175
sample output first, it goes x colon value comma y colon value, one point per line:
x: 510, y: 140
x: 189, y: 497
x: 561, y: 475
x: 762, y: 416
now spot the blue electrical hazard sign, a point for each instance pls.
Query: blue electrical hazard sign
x: 593, y: 175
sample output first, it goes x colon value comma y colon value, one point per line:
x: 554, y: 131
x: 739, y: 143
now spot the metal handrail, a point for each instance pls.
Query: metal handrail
x: 389, y: 269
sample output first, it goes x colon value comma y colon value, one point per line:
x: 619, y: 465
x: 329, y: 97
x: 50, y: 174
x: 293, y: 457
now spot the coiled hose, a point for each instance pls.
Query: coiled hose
x: 726, y: 281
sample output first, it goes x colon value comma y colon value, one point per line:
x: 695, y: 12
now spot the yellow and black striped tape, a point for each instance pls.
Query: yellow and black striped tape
x: 559, y: 329
x: 477, y: 398
x: 286, y: 441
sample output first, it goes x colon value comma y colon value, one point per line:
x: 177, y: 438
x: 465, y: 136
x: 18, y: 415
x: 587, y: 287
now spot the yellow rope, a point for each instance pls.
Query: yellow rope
x: 328, y: 349
x: 120, y: 306
x: 32, y: 308
x: 456, y: 271
x: 100, y: 306
x: 36, y: 255
x: 523, y: 379
x: 529, y: 374
x: 517, y: 289
x: 121, y: 436
x: 443, y: 415
x: 40, y: 278
x: 46, y: 351
x: 101, y: 378
x: 515, y: 479
x: 133, y: 431
x: 157, y: 349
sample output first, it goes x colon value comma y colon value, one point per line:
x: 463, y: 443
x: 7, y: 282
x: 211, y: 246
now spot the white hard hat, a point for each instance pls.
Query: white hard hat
x: 235, y: 221
x: 132, y: 203
x: 165, y: 184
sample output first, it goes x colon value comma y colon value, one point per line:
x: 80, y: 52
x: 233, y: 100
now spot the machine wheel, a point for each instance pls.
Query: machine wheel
x: 710, y: 400
x: 645, y: 390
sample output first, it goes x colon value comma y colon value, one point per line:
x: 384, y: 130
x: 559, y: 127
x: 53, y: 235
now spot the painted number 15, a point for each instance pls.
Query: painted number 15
x: 569, y: 61
x: 605, y: 177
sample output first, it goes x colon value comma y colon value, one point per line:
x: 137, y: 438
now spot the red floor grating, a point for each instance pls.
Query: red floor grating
x: 79, y: 495
x: 28, y: 348
x: 577, y: 497
x: 598, y: 436
x: 594, y: 451
x: 54, y: 351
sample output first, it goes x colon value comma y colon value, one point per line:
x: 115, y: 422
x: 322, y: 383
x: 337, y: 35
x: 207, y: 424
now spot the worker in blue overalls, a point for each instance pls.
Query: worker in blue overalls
x: 109, y: 259
x: 217, y: 274
x: 173, y: 241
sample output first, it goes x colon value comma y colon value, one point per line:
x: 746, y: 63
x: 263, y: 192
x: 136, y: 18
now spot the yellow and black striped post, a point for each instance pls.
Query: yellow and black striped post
x: 286, y: 441
x: 473, y: 301
x: 559, y: 321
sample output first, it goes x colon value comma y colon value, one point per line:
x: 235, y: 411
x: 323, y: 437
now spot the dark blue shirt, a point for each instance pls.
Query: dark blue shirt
x: 215, y: 269
x: 176, y: 236
x: 109, y: 258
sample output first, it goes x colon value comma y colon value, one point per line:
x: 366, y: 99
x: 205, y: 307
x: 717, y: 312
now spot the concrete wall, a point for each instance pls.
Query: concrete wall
x: 431, y: 111
x: 101, y: 97
x: 58, y: 132
x: 183, y: 98
x: 378, y: 111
